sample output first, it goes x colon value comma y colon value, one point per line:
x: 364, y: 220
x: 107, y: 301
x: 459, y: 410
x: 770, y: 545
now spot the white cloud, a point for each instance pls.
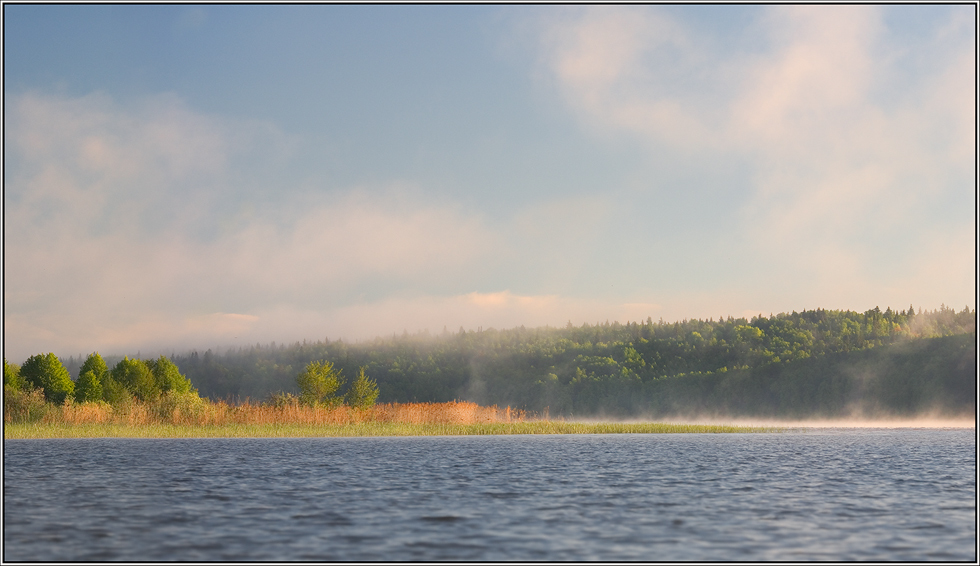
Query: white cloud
x: 619, y: 68
x: 154, y: 225
x: 845, y: 170
x: 127, y: 228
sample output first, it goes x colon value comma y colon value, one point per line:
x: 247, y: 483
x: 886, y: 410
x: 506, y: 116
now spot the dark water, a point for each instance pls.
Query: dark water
x: 845, y: 494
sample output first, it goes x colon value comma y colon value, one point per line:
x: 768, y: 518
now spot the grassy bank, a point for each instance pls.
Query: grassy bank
x: 189, y: 416
x: 292, y: 430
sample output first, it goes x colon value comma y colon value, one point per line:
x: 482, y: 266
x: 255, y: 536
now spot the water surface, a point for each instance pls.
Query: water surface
x: 826, y: 494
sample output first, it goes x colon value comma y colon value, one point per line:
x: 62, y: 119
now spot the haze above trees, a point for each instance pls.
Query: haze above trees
x: 791, y: 364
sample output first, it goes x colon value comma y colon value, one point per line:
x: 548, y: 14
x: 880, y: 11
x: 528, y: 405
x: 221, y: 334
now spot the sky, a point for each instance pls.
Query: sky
x: 191, y: 176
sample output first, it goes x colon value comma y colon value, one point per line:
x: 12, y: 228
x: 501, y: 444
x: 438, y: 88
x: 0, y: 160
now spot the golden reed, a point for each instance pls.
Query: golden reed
x: 203, y: 413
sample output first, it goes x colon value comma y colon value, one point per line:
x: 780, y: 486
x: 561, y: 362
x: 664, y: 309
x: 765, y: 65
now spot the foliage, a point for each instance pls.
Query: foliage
x: 45, y: 371
x: 24, y: 405
x: 631, y: 368
x: 282, y: 400
x: 137, y: 377
x: 812, y: 363
x: 168, y: 377
x: 319, y: 383
x: 12, y: 377
x: 115, y: 393
x: 96, y: 364
x: 91, y: 376
x: 363, y: 392
x: 88, y: 387
x: 180, y: 407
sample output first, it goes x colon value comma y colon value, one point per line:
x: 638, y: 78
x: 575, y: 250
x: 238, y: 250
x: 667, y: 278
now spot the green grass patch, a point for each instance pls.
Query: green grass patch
x: 46, y: 430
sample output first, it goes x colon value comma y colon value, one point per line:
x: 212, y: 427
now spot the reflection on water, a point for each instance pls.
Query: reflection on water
x: 835, y: 494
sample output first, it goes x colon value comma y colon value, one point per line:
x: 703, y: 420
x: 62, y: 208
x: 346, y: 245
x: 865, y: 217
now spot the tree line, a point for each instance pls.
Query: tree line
x: 144, y: 380
x: 611, y: 367
x: 44, y: 379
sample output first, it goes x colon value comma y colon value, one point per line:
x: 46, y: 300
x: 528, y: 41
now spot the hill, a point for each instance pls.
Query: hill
x: 812, y: 363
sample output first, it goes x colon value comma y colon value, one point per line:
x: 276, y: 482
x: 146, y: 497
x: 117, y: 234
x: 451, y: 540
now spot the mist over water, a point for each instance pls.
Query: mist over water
x: 819, y: 494
x: 924, y: 421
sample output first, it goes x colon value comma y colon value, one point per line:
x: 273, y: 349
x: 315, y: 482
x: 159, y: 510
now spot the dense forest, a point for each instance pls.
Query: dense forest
x: 810, y: 363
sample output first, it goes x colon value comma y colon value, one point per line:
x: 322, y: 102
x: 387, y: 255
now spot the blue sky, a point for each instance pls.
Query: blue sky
x: 197, y: 176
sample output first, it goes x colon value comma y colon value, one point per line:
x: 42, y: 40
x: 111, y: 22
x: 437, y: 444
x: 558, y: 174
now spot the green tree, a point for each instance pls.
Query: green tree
x: 633, y: 360
x: 11, y: 377
x: 363, y: 392
x: 88, y: 387
x: 319, y: 383
x: 95, y: 364
x: 114, y: 392
x: 136, y: 376
x: 48, y: 373
x: 168, y: 377
x: 91, y: 376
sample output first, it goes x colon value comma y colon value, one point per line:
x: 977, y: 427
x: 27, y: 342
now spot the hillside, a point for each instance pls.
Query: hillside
x: 791, y: 364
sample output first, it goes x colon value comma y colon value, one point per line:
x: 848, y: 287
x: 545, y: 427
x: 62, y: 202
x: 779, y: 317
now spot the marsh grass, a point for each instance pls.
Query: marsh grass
x: 188, y: 416
x: 370, y: 428
x: 191, y: 410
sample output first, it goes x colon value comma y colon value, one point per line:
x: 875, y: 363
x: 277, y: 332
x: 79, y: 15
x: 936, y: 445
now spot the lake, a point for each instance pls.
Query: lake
x: 819, y: 494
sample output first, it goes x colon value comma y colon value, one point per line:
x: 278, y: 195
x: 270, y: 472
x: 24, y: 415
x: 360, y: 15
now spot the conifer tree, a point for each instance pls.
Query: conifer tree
x: 363, y: 392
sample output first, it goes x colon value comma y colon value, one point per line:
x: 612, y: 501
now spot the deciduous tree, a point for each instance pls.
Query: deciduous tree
x: 48, y: 373
x: 319, y: 383
x: 168, y: 377
x: 11, y: 376
x: 137, y: 378
x: 91, y: 376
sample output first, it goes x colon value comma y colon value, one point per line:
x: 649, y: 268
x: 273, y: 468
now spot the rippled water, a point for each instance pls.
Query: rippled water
x: 840, y: 494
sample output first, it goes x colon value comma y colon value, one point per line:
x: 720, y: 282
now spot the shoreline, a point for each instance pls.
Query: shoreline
x: 25, y: 431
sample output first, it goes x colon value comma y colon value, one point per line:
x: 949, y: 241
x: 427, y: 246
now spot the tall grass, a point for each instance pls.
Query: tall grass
x: 190, y: 410
x: 188, y: 416
x: 293, y: 430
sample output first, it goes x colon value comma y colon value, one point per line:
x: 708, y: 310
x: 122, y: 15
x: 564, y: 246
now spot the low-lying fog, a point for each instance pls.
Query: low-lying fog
x: 914, y: 422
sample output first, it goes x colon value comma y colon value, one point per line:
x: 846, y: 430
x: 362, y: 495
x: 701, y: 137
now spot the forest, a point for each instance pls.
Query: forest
x: 818, y: 362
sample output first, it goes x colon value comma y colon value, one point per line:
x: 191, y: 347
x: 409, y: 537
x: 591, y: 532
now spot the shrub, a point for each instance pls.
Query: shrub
x: 283, y: 400
x: 24, y: 405
x: 180, y: 408
x: 116, y: 394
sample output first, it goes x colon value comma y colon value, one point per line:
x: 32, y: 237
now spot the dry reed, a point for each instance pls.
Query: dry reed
x: 192, y: 417
x: 196, y: 412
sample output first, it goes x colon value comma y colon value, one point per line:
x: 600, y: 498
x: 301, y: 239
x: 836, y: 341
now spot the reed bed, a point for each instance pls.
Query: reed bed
x: 364, y: 429
x: 192, y: 417
x: 192, y: 411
